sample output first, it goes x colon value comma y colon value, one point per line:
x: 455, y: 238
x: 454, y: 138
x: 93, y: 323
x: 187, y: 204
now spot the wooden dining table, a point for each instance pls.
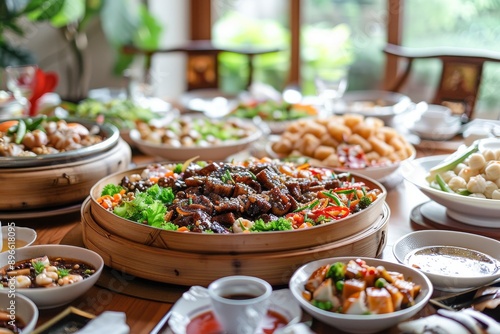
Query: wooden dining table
x: 142, y: 314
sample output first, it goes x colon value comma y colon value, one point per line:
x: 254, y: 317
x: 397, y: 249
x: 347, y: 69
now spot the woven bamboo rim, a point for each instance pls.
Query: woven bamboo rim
x: 188, y: 268
x: 236, y: 243
x: 62, y: 184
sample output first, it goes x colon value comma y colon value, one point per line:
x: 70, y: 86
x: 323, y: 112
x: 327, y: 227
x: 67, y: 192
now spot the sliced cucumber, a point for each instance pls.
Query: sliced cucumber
x: 452, y: 161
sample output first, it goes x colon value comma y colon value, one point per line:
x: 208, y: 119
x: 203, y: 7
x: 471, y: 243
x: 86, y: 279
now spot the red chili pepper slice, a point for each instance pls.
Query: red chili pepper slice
x: 335, y: 212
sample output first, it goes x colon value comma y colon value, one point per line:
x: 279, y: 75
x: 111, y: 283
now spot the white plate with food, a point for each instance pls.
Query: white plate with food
x: 195, y: 136
x: 192, y: 313
x: 464, y: 182
x: 365, y: 304
x: 452, y: 260
x: 346, y: 143
x: 123, y: 113
x: 374, y: 103
x: 276, y: 115
x: 23, y: 140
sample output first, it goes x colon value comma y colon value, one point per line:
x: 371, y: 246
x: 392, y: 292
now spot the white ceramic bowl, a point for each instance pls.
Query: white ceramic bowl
x: 361, y: 323
x: 23, y: 236
x: 379, y: 173
x: 212, y: 152
x: 419, y: 239
x: 57, y: 296
x: 25, y: 310
x: 374, y: 103
x: 466, y: 209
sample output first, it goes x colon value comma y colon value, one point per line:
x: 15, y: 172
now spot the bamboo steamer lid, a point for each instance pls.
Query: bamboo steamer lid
x: 232, y: 243
x: 61, y: 183
x: 193, y: 268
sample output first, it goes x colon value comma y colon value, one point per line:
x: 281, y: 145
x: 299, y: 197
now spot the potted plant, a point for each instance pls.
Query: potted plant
x: 125, y: 22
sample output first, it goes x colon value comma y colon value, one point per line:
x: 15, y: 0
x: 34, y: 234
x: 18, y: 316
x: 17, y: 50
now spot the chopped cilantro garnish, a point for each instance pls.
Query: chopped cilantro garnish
x: 63, y: 272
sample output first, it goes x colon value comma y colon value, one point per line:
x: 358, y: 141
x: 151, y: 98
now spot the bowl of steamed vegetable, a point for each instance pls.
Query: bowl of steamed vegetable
x: 192, y: 136
x: 465, y: 182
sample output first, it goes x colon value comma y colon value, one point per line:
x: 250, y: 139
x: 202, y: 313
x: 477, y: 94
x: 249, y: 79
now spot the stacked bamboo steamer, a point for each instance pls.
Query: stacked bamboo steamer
x: 199, y: 258
x: 32, y: 184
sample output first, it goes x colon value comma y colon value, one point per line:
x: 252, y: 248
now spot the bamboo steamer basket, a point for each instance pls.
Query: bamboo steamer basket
x: 63, y: 179
x: 194, y: 268
x: 235, y: 243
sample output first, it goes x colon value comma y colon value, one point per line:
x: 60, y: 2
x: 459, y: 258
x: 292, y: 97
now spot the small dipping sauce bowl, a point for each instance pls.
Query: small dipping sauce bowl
x: 14, y: 237
x: 435, y: 116
x: 240, y: 302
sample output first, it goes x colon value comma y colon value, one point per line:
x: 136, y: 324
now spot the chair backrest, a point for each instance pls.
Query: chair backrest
x: 202, y: 65
x: 461, y: 73
x: 202, y: 69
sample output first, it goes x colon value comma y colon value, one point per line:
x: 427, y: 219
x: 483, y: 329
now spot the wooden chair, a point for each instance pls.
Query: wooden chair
x: 202, y: 69
x: 461, y: 74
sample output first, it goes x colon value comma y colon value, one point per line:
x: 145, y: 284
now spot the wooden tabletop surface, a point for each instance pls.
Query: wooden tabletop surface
x: 143, y: 315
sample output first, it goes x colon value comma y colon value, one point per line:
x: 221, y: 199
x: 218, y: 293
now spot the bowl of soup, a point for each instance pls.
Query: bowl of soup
x: 17, y: 237
x: 20, y: 318
x: 50, y: 275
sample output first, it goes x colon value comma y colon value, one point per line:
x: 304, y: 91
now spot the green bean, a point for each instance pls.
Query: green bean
x: 21, y: 131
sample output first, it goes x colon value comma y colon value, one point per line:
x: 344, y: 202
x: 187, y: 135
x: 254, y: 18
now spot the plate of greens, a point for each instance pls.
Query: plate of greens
x: 122, y: 113
x: 191, y: 136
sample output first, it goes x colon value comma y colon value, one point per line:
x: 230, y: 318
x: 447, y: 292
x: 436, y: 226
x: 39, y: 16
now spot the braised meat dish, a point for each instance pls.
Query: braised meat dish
x: 250, y: 196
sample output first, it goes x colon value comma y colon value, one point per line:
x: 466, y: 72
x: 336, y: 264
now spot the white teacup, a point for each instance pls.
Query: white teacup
x: 240, y: 303
x: 435, y: 116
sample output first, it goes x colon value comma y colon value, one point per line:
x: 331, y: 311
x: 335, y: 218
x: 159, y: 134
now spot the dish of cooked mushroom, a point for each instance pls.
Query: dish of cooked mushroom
x: 42, y: 135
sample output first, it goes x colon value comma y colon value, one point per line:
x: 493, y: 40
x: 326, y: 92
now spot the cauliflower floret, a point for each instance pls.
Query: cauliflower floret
x: 476, y: 184
x: 456, y: 183
x: 477, y: 161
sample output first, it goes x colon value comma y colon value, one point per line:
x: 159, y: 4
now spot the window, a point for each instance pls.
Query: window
x: 251, y: 24
x: 334, y: 33
x: 356, y: 32
x: 338, y: 33
x: 458, y: 23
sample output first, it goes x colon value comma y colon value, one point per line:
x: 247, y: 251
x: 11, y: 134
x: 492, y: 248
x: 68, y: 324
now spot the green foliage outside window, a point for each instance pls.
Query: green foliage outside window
x: 456, y: 23
x: 238, y: 31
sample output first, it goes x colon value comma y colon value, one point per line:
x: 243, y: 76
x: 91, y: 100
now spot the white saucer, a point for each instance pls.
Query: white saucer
x: 196, y: 301
x: 448, y: 130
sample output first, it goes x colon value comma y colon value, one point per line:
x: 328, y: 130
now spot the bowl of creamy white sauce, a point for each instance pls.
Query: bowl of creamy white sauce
x: 453, y: 261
